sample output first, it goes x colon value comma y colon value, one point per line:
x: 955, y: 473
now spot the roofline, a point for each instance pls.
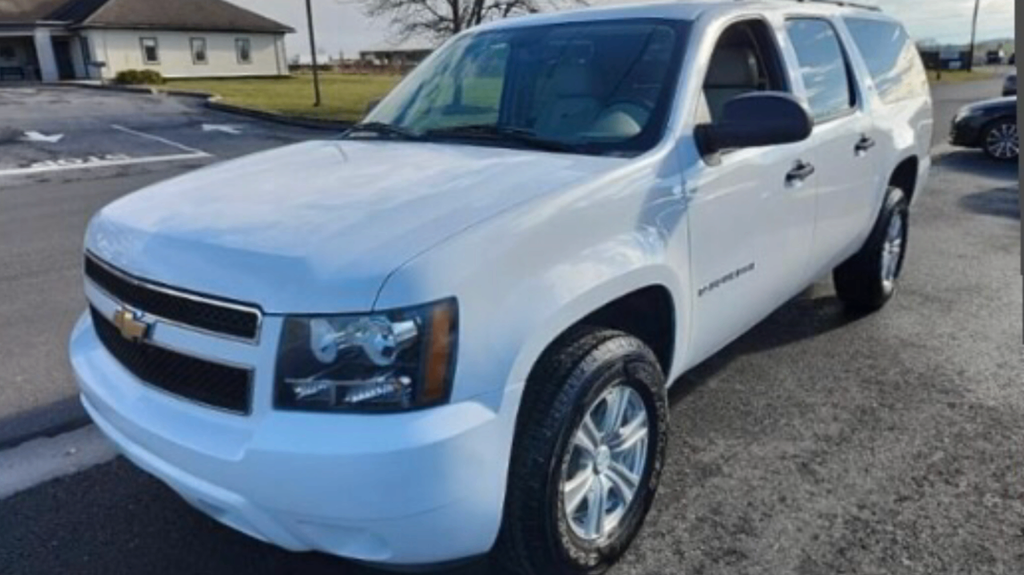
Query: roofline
x: 35, y: 23
x: 86, y: 26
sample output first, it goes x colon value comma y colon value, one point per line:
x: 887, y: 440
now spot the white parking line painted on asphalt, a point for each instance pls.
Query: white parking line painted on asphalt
x: 41, y: 137
x: 42, y: 460
x: 98, y: 162
x: 157, y: 139
x: 225, y: 128
x: 110, y: 160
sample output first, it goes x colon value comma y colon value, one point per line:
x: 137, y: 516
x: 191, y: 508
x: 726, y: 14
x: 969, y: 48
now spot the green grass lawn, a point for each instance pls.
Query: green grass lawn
x: 345, y: 96
x: 958, y: 76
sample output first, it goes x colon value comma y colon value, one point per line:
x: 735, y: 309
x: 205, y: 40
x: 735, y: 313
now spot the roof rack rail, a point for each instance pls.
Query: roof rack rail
x: 844, y: 3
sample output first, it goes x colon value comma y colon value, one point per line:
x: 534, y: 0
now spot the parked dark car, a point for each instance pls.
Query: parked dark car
x: 995, y: 57
x: 990, y: 126
x: 1010, y: 85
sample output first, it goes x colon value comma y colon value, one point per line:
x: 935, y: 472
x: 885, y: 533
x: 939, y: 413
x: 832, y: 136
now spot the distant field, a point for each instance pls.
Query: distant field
x: 959, y: 76
x: 345, y: 96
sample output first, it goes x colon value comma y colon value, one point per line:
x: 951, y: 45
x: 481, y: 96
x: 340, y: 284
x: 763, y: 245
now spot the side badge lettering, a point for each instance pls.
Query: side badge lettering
x: 731, y: 276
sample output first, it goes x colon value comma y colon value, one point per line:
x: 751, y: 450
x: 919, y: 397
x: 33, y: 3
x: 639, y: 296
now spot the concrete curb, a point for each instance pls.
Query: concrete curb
x: 213, y: 102
x: 104, y: 87
x: 44, y: 421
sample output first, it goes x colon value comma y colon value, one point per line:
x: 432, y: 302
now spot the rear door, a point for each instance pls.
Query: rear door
x: 843, y: 144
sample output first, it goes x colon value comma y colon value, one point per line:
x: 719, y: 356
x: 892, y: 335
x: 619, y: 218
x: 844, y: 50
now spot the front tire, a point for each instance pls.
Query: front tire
x: 1001, y: 142
x: 587, y: 458
x: 868, y: 280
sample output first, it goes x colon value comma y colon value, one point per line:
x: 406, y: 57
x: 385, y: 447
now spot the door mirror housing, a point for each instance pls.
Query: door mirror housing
x: 754, y: 120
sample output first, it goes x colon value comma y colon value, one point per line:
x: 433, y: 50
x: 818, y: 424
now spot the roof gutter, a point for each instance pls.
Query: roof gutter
x: 35, y: 24
x: 84, y: 26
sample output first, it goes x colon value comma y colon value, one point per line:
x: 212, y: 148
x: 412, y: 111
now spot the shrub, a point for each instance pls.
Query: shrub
x: 136, y: 77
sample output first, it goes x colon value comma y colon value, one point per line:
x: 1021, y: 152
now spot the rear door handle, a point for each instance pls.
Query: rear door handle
x: 863, y: 145
x: 800, y: 172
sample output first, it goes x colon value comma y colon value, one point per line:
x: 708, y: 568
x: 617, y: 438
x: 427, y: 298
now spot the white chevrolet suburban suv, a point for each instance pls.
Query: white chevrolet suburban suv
x: 452, y: 329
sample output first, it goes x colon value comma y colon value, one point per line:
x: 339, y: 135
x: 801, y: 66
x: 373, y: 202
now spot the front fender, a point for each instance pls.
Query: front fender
x: 524, y: 277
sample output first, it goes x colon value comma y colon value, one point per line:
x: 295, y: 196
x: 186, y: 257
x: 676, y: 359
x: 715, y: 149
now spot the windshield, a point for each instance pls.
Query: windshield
x: 594, y: 87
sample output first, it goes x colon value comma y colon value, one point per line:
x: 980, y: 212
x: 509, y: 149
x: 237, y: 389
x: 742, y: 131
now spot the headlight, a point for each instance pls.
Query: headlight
x: 389, y: 361
x: 965, y: 113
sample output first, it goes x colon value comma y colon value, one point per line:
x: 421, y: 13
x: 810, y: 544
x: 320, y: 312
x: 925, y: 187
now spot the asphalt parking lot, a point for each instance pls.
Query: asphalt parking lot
x: 64, y: 153
x: 47, y: 131
x: 818, y: 443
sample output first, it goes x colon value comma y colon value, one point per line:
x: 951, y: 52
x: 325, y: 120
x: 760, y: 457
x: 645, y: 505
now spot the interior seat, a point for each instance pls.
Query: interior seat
x: 733, y: 72
x: 573, y: 104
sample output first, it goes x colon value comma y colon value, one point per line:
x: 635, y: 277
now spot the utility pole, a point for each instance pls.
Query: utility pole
x: 312, y: 52
x: 974, y: 35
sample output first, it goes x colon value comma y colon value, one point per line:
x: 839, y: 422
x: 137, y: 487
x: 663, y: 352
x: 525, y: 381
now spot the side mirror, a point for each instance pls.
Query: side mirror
x: 756, y: 119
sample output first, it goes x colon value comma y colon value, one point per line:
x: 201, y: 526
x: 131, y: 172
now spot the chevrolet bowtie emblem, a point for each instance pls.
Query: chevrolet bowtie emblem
x: 130, y: 325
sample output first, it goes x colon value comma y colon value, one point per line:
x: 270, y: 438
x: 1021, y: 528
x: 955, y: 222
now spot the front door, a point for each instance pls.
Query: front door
x: 62, y: 53
x: 751, y: 216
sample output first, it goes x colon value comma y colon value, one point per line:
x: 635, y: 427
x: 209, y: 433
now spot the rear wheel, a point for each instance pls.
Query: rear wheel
x: 1001, y: 141
x: 868, y: 280
x: 587, y: 458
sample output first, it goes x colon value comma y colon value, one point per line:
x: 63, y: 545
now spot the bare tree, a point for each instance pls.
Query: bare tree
x: 439, y: 19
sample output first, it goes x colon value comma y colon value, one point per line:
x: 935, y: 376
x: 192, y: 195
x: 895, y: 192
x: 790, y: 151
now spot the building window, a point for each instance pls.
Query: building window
x: 7, y: 52
x: 199, y: 50
x: 150, y: 51
x: 243, y: 49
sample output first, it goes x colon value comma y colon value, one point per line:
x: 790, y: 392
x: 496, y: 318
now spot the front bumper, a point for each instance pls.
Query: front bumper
x: 404, y: 489
x: 966, y: 131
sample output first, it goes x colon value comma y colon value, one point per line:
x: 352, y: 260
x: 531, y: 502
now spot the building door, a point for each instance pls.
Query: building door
x: 62, y: 52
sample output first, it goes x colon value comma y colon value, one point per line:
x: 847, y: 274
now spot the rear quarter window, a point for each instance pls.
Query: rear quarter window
x: 891, y: 58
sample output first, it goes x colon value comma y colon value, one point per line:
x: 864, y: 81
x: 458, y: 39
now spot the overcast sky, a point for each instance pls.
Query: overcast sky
x: 341, y: 24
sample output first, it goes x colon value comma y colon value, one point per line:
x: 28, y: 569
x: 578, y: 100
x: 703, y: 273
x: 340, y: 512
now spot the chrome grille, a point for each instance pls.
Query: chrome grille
x: 237, y: 320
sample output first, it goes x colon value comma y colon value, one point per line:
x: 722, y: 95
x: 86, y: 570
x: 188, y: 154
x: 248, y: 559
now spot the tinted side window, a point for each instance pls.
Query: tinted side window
x: 823, y: 66
x: 891, y: 57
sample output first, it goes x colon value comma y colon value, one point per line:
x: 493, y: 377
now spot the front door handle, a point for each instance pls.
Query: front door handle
x: 800, y: 172
x: 863, y: 145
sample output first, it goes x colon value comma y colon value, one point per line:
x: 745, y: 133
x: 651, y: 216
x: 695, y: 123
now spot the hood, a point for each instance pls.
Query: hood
x: 997, y: 103
x: 317, y: 227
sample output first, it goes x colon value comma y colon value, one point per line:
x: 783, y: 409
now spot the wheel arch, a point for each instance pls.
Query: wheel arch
x: 647, y: 313
x: 905, y: 176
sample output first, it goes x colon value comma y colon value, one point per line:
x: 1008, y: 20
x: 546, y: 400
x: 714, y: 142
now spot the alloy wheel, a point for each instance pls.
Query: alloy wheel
x: 1002, y: 141
x: 892, y: 251
x: 605, y: 462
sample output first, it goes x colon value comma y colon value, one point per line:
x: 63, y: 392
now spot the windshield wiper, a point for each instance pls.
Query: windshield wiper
x: 507, y: 134
x: 382, y: 129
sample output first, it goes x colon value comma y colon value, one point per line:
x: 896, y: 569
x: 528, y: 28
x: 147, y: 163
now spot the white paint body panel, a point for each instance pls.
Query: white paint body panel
x: 528, y: 242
